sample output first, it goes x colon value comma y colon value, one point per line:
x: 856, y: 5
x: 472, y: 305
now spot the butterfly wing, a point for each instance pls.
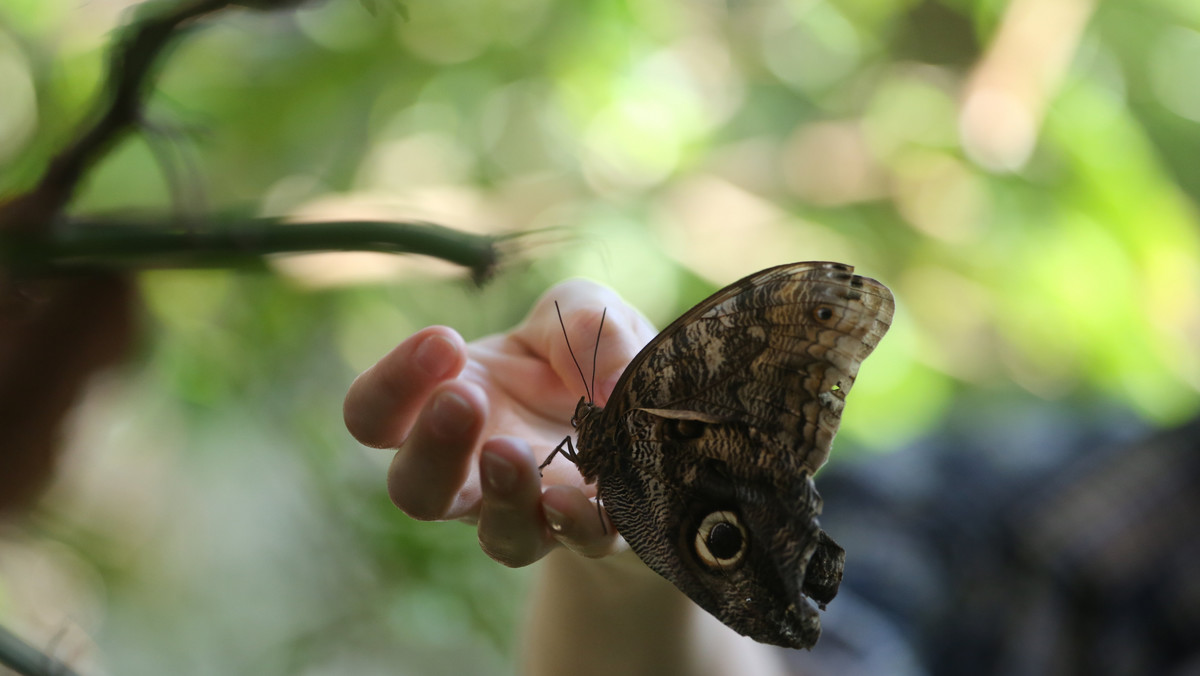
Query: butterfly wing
x: 761, y: 591
x: 730, y: 410
x: 777, y: 351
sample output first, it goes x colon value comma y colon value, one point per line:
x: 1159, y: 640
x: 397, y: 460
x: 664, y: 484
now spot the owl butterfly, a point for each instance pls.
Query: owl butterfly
x: 705, y: 453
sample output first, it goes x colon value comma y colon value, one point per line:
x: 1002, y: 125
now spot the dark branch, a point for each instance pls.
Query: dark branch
x: 132, y: 66
x: 100, y: 245
x: 42, y: 242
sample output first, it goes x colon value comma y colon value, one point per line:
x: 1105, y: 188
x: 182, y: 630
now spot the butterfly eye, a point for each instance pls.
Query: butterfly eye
x: 682, y: 430
x: 721, y: 540
x: 822, y: 313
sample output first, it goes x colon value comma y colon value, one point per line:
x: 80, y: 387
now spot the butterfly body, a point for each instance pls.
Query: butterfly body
x: 705, y: 452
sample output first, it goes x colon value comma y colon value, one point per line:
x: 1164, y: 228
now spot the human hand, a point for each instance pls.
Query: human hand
x: 473, y: 421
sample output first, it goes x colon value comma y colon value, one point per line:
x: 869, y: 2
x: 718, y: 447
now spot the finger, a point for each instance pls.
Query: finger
x: 511, y: 529
x: 429, y: 471
x: 603, y: 330
x: 577, y: 523
x: 383, y: 402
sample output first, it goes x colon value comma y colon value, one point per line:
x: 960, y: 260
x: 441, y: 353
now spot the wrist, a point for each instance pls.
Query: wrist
x: 604, y: 616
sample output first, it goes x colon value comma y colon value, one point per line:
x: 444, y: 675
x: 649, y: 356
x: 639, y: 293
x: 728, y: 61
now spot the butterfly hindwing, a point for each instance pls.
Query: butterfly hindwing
x: 659, y: 509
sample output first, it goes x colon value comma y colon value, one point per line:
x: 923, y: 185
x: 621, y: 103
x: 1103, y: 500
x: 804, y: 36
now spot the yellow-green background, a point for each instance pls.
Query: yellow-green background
x: 212, y: 515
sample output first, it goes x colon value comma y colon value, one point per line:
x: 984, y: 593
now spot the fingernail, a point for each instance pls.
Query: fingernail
x: 452, y: 415
x: 435, y: 355
x: 554, y: 518
x: 499, y: 473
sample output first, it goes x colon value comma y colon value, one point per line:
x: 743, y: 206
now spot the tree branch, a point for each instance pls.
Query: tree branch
x: 40, y: 241
x: 92, y: 245
x: 132, y: 64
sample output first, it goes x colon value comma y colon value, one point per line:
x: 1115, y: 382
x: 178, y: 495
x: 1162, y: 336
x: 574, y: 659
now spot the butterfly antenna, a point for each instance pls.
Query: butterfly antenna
x: 572, y: 352
x: 596, y: 351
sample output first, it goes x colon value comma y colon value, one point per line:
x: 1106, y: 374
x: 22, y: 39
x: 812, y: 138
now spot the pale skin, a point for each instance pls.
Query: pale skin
x: 472, y: 422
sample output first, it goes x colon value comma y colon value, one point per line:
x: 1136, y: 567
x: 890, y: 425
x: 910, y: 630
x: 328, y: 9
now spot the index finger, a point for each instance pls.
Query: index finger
x: 384, y: 400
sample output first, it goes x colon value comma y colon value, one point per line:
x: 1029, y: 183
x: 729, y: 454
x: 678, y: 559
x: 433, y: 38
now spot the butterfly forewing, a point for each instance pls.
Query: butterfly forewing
x: 756, y: 352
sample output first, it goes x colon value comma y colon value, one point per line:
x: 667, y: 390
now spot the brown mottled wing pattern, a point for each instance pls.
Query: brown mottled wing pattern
x: 756, y: 352
x: 758, y: 373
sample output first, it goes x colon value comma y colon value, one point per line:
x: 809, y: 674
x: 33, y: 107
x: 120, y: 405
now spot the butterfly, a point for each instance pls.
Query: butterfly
x: 705, y: 453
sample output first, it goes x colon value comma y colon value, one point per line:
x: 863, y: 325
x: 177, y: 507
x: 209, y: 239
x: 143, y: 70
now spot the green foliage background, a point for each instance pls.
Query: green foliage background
x: 212, y: 515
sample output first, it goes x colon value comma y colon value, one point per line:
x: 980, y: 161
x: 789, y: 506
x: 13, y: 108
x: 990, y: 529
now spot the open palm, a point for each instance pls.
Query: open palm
x: 473, y: 421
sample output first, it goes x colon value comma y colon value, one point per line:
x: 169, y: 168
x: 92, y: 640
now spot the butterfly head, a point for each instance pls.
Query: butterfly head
x: 583, y: 410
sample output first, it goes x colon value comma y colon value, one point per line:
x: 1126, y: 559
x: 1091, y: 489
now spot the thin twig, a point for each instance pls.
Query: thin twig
x: 25, y: 659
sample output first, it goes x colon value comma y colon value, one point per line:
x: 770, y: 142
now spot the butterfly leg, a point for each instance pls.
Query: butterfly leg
x: 564, y: 448
x: 600, y: 515
x: 567, y: 450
